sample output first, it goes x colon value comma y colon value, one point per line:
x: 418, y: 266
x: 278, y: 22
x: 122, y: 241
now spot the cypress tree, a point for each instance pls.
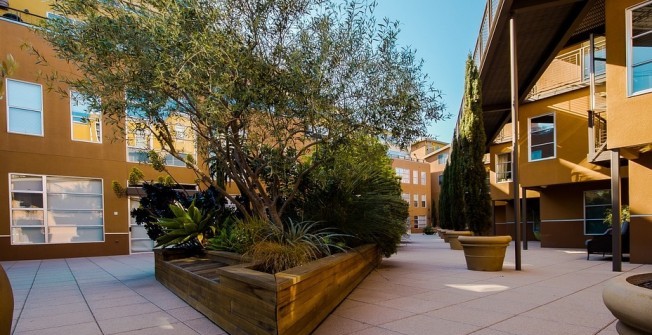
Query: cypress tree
x: 456, y: 186
x: 477, y: 200
x: 444, y: 206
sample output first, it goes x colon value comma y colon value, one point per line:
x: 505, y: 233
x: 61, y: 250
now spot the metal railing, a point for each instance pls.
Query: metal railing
x: 488, y: 24
x: 567, y: 71
x: 599, y: 124
x: 20, y: 16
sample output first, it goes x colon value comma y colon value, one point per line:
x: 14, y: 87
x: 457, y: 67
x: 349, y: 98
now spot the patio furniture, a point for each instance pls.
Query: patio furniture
x: 603, y: 243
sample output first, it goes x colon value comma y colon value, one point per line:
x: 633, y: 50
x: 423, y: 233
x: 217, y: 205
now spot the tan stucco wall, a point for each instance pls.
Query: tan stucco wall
x: 628, y: 117
x: 419, y: 189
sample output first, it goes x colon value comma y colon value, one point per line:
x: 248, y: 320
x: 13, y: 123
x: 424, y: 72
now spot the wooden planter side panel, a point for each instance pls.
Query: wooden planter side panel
x: 244, y: 301
x: 318, y: 288
x: 238, y: 307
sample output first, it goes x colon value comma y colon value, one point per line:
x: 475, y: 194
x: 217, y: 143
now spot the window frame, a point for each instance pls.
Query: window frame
x: 72, y: 122
x: 423, y: 177
x: 415, y: 200
x: 529, y: 138
x: 510, y: 171
x: 424, y: 200
x: 8, y: 107
x: 629, y: 38
x: 44, y: 194
x: 584, y: 206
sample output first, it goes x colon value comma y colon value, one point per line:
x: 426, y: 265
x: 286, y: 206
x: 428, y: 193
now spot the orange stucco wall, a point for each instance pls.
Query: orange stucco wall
x: 56, y: 154
x: 419, y: 189
x: 628, y: 117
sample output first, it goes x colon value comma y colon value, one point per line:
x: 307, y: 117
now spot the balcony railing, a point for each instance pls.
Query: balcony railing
x: 488, y: 23
x: 569, y: 71
x: 20, y: 16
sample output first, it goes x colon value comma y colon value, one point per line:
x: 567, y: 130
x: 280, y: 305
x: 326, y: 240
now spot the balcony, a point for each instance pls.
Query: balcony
x: 20, y: 16
x: 571, y: 70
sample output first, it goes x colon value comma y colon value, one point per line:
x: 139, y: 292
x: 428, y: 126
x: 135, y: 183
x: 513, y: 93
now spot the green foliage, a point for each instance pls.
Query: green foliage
x: 118, y: 189
x: 136, y: 176
x: 262, y: 83
x: 451, y: 203
x: 477, y: 200
x: 465, y: 201
x: 624, y: 215
x: 356, y: 191
x: 7, y: 68
x: 238, y: 235
x: 296, y: 244
x: 187, y: 225
x: 429, y: 230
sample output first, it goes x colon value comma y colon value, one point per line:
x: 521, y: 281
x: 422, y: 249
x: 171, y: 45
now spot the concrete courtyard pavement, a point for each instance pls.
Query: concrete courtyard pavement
x: 424, y: 289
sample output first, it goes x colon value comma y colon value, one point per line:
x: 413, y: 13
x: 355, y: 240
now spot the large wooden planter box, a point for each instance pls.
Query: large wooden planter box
x: 244, y: 301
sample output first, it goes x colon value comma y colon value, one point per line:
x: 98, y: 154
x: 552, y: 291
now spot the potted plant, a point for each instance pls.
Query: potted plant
x: 482, y: 253
x: 629, y: 298
x: 429, y: 230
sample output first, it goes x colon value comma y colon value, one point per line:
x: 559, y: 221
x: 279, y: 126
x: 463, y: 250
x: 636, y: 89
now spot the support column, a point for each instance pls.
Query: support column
x: 524, y: 215
x: 615, y: 211
x: 515, y: 183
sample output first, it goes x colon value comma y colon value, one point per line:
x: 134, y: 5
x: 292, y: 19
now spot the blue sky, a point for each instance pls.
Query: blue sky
x: 443, y: 32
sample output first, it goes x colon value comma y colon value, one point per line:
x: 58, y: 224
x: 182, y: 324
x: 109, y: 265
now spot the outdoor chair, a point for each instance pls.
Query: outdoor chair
x: 603, y: 243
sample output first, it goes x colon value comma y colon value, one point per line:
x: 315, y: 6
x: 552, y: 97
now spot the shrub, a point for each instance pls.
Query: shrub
x: 357, y: 192
x: 187, y: 226
x: 295, y: 244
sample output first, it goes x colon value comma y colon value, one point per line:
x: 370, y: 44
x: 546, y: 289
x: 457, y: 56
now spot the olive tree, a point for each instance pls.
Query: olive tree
x: 263, y: 83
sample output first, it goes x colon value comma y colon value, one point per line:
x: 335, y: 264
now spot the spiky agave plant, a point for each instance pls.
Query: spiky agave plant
x: 187, y: 226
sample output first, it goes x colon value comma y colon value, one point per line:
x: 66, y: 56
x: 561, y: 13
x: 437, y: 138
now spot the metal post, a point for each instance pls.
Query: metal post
x: 524, y: 215
x: 515, y: 97
x: 615, y: 211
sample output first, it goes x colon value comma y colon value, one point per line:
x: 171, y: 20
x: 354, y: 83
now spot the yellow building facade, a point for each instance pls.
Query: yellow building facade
x: 584, y: 80
x: 59, y: 159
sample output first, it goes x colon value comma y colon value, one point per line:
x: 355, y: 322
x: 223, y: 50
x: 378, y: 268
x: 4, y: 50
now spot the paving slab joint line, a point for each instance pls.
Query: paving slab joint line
x: 84, y: 296
x: 22, y: 308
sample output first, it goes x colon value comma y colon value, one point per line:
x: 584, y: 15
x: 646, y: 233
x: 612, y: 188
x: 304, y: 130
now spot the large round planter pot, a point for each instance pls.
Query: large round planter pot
x: 453, y: 235
x: 6, y: 303
x: 630, y: 303
x: 484, y: 253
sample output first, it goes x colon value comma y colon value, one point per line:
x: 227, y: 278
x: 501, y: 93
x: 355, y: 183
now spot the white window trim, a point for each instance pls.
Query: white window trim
x: 628, y: 38
x: 510, y: 165
x: 554, y: 138
x: 424, y: 177
x: 72, y: 133
x: 44, y: 209
x: 7, y: 80
x: 415, y: 200
x: 584, y: 210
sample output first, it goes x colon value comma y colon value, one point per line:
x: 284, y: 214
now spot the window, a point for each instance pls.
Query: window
x: 441, y: 159
x: 405, y: 197
x: 419, y: 221
x: 423, y: 200
x: 596, y: 203
x: 24, y: 108
x: 424, y: 178
x: 140, y: 142
x: 440, y: 179
x: 404, y: 174
x: 639, y: 48
x: 600, y: 54
x: 415, y: 200
x: 542, y: 137
x: 504, y: 167
x: 49, y: 209
x: 415, y: 177
x: 86, y: 123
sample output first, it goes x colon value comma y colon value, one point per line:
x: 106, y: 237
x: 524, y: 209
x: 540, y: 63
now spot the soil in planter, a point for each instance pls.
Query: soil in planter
x: 646, y: 284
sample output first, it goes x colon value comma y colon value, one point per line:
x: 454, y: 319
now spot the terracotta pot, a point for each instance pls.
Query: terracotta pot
x: 484, y: 253
x: 6, y: 303
x: 631, y: 304
x: 452, y: 236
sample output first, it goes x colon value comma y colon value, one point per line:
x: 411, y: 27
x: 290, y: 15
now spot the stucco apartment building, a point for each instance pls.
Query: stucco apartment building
x: 579, y: 76
x: 58, y: 159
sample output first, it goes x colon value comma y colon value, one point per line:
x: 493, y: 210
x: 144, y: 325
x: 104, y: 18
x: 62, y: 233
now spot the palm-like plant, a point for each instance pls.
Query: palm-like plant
x: 189, y: 225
